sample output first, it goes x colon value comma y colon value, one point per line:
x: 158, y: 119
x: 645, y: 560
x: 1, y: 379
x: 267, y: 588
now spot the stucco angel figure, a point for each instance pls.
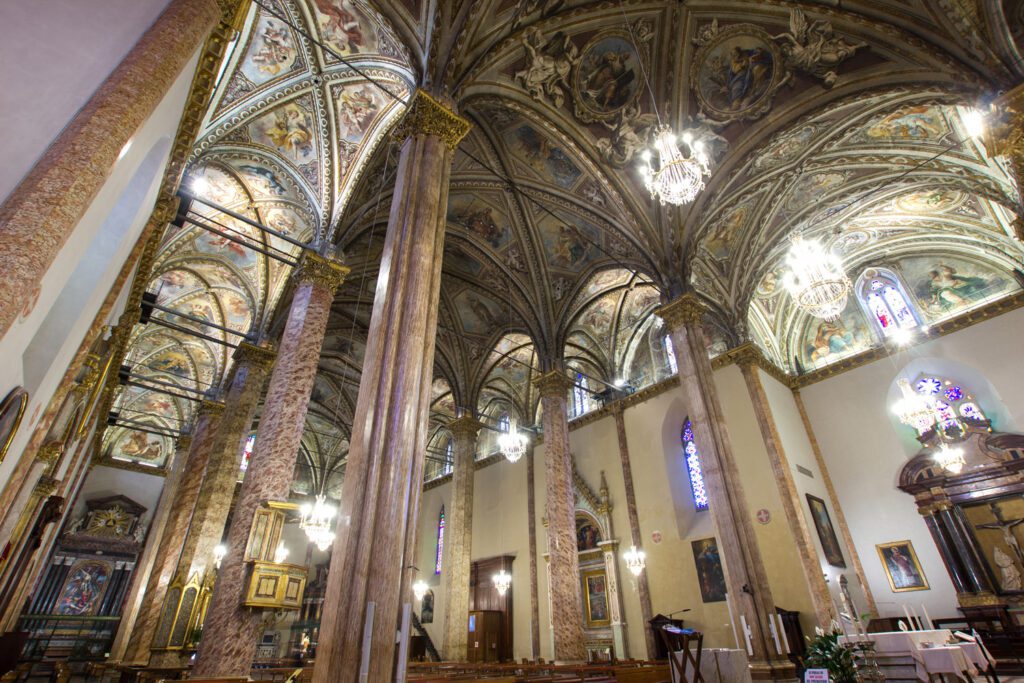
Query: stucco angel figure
x: 811, y: 46
x: 1011, y: 580
x: 548, y: 65
x: 631, y: 132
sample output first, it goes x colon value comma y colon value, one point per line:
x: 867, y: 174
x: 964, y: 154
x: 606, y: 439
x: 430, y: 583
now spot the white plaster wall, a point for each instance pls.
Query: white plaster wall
x: 55, y: 54
x: 102, y: 482
x: 38, y: 347
x: 430, y: 507
x: 864, y: 451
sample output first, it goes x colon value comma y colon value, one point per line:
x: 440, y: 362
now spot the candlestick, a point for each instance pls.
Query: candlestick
x: 910, y: 622
x: 927, y: 618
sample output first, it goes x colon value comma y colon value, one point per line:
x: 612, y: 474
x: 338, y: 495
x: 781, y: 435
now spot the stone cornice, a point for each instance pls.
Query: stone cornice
x: 552, y: 383
x: 684, y: 310
x: 320, y: 271
x: 427, y: 116
x: 259, y: 357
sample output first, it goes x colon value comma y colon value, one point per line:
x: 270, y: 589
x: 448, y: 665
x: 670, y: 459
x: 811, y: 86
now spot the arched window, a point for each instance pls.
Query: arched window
x: 950, y: 402
x: 670, y: 353
x: 580, y: 396
x: 884, y: 300
x: 449, y: 459
x: 440, y: 542
x: 692, y: 459
x: 504, y: 422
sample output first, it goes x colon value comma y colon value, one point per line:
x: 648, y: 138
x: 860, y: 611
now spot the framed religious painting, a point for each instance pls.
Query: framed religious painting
x: 902, y: 567
x: 12, y: 410
x: 596, y: 610
x: 710, y: 576
x: 826, y: 532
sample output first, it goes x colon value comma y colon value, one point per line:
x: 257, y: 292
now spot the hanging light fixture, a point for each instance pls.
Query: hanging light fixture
x: 816, y: 279
x: 636, y: 560
x: 419, y: 589
x: 502, y: 581
x: 513, y: 443
x: 950, y: 458
x: 318, y: 522
x: 913, y: 408
x: 679, y: 176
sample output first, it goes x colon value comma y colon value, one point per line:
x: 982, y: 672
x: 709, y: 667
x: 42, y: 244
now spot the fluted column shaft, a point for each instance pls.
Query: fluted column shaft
x: 642, y: 588
x: 564, y: 562
x: 459, y: 537
x: 211, y: 512
x: 746, y: 580
x: 374, y: 548
x: 169, y: 543
x: 233, y: 630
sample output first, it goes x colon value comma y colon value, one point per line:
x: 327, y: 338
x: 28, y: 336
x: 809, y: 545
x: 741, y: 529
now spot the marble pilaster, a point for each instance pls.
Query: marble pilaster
x: 373, y: 558
x: 564, y: 565
x: 272, y: 466
x: 531, y: 521
x: 750, y: 596
x: 252, y: 364
x: 459, y: 537
x: 748, y: 359
x: 193, y: 468
x: 833, y: 497
x: 642, y: 587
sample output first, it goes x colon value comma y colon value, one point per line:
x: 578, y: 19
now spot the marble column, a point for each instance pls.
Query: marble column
x: 564, y: 564
x: 252, y: 364
x: 272, y: 466
x: 642, y: 587
x: 750, y: 597
x: 749, y: 359
x: 193, y: 468
x: 531, y: 526
x: 374, y: 552
x: 459, y: 538
x: 837, y: 509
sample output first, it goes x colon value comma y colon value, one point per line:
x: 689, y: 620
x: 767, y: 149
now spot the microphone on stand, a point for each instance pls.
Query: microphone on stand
x: 678, y: 612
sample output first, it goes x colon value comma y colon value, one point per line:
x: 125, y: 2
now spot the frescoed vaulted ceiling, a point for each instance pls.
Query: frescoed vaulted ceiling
x: 843, y: 122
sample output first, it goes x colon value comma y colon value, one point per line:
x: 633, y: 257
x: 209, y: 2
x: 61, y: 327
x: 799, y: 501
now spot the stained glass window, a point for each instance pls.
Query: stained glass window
x: 449, y: 457
x: 580, y: 396
x: 440, y: 541
x: 949, y: 403
x: 882, y: 295
x: 671, y: 353
x: 247, y: 453
x: 692, y: 459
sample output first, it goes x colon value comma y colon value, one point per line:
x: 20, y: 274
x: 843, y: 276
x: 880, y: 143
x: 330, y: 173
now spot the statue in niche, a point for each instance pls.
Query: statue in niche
x: 1010, y: 576
x: 548, y: 66
x: 812, y: 47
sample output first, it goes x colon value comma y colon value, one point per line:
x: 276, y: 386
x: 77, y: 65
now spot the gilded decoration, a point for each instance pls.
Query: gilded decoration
x: 12, y: 410
x: 427, y: 116
x: 259, y: 357
x: 49, y: 453
x: 466, y: 426
x: 685, y: 310
x: 553, y: 383
x: 320, y: 272
x: 46, y: 486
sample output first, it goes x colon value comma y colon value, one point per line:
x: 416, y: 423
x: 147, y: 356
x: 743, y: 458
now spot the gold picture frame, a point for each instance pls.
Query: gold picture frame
x: 12, y: 411
x: 596, y: 605
x: 902, y: 567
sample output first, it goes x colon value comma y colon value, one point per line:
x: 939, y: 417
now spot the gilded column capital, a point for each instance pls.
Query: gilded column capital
x: 466, y: 426
x: 319, y: 271
x: 184, y: 442
x: 259, y: 357
x: 46, y: 486
x: 49, y: 453
x: 553, y: 383
x: 426, y: 115
x: 685, y: 310
x: 746, y: 354
x: 211, y: 408
x: 233, y: 12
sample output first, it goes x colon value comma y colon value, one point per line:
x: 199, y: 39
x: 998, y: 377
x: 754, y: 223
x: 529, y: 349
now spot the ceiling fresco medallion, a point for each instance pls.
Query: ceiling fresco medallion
x: 608, y: 76
x: 736, y: 72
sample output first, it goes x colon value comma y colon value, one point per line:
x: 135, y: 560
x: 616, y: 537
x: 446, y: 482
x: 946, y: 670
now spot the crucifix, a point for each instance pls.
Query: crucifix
x: 1006, y: 527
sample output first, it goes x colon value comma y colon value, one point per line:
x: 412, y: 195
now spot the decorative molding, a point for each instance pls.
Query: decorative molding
x: 427, y: 116
x: 748, y: 353
x: 211, y: 408
x: 466, y: 426
x: 685, y: 310
x: 552, y: 383
x: 49, y: 453
x: 320, y: 271
x: 46, y: 486
x: 258, y: 357
x: 129, y: 466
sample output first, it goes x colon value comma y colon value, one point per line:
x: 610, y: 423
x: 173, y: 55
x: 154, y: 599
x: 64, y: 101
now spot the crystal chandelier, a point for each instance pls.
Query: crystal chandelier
x: 914, y: 409
x: 218, y: 554
x: 513, y: 443
x: 678, y: 178
x: 280, y: 553
x: 502, y: 580
x: 419, y: 589
x: 635, y: 559
x: 950, y: 458
x: 816, y: 279
x: 318, y: 522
